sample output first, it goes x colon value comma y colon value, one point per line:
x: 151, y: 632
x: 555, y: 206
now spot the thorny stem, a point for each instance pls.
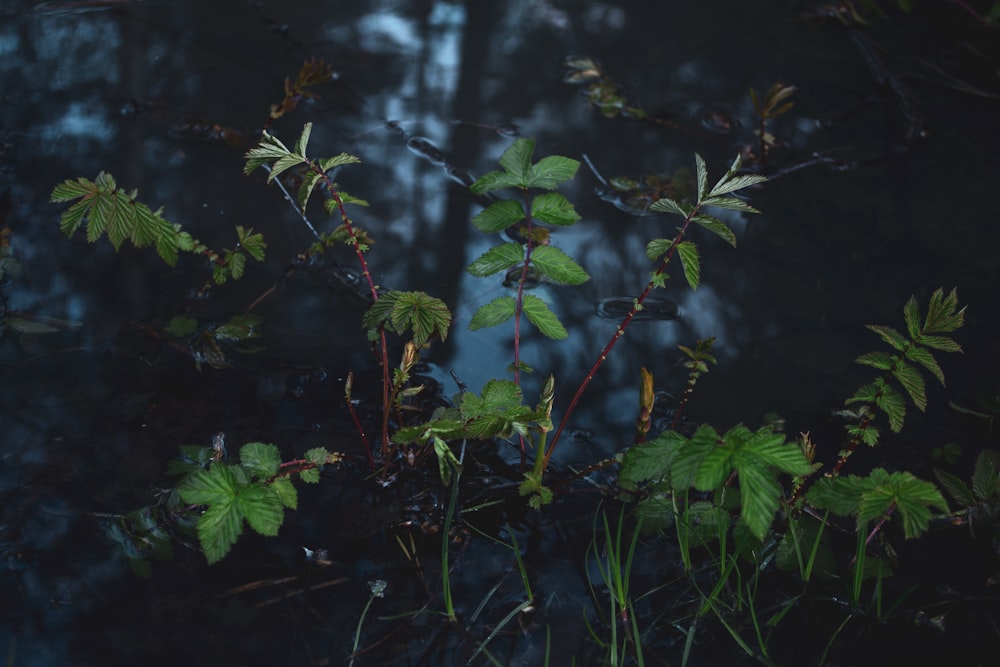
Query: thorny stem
x: 517, y: 313
x: 374, y: 292
x: 618, y: 334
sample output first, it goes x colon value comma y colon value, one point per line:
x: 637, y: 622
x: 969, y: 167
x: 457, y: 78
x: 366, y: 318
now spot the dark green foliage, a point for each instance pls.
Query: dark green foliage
x: 706, y: 460
x: 402, y: 311
x: 877, y: 496
x: 535, y: 257
x: 106, y: 209
x: 910, y: 352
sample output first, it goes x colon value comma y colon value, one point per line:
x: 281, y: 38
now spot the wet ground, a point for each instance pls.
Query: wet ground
x: 883, y: 175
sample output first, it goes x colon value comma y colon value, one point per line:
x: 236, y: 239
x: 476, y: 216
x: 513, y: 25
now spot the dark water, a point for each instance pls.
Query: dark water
x: 895, y: 130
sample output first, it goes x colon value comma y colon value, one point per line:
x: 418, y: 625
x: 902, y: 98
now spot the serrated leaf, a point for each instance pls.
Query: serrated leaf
x: 303, y: 141
x: 309, y: 476
x: 260, y: 459
x: 236, y: 263
x: 72, y: 189
x: 495, y: 312
x: 253, y: 243
x: 552, y: 170
x: 986, y: 475
x: 558, y: 266
x: 730, y: 203
x: 72, y: 218
x: 666, y: 205
x: 688, y: 460
x: 760, y: 495
x: 262, y: 508
x: 892, y: 403
x: 911, y: 314
x: 942, y: 313
x: 880, y: 360
x: 286, y: 493
x: 912, y: 382
x: 927, y: 360
x: 702, y: 173
x: 218, y: 529
x: 691, y: 261
x: 316, y: 455
x: 942, y: 343
x: 890, y: 336
x: 652, y: 460
x: 498, y: 216
x: 658, y: 247
x: 208, y: 487
x: 309, y: 181
x: 494, y: 180
x: 956, y: 488
x: 326, y: 164
x: 717, y: 227
x: 283, y: 164
x: 554, y: 209
x: 539, y: 314
x: 516, y: 160
x: 497, y: 259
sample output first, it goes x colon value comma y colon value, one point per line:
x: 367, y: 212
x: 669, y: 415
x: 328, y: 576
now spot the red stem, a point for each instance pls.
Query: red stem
x: 618, y: 334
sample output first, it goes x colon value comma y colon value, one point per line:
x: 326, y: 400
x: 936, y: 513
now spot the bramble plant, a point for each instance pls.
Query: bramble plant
x: 741, y: 495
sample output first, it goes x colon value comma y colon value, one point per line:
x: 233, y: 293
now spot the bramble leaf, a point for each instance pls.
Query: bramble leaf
x: 666, y: 205
x: 553, y: 208
x: 286, y: 492
x: 309, y: 476
x: 516, y: 160
x: 702, y: 174
x: 262, y: 508
x: 657, y: 248
x: 890, y: 336
x: 552, y: 170
x: 495, y: 312
x: 558, y: 266
x: 260, y: 459
x: 399, y: 311
x: 496, y: 259
x: 912, y: 382
x: 730, y: 203
x: 494, y: 180
x: 498, y: 216
x: 688, y: 252
x: 539, y: 314
x: 716, y: 226
x: 316, y: 455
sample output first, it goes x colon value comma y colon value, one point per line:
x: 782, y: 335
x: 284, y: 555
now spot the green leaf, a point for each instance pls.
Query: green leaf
x: 253, y: 243
x: 558, y: 266
x: 925, y: 359
x: 317, y: 455
x: 730, y: 203
x: 912, y: 382
x: 543, y: 318
x: 658, y: 247
x: 942, y: 312
x: 760, y: 495
x: 71, y: 189
x: 236, y: 263
x: 691, y: 262
x: 300, y: 145
x: 911, y: 314
x: 731, y: 182
x: 891, y: 336
x: 260, y: 459
x: 495, y: 312
x: 652, y: 460
x: 717, y: 227
x: 516, y: 160
x: 956, y: 488
x: 942, y: 343
x: 447, y: 462
x: 400, y: 311
x: 219, y: 528
x: 208, y: 487
x: 309, y: 181
x: 326, y: 164
x: 702, y: 172
x: 498, y: 216
x: 554, y: 209
x: 73, y: 217
x: 262, y: 508
x: 285, y: 491
x: 309, y: 476
x: 880, y: 360
x: 551, y: 171
x: 494, y: 180
x: 891, y: 402
x: 497, y: 259
x: 666, y: 205
x: 986, y: 475
x: 688, y: 460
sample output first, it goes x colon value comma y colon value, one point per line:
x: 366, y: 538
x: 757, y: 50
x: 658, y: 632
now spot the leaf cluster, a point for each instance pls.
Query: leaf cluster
x: 877, y: 496
x: 399, y: 311
x: 719, y: 196
x: 910, y: 352
x: 674, y: 462
x: 253, y: 490
x: 534, y: 256
x: 106, y: 209
x: 984, y: 487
